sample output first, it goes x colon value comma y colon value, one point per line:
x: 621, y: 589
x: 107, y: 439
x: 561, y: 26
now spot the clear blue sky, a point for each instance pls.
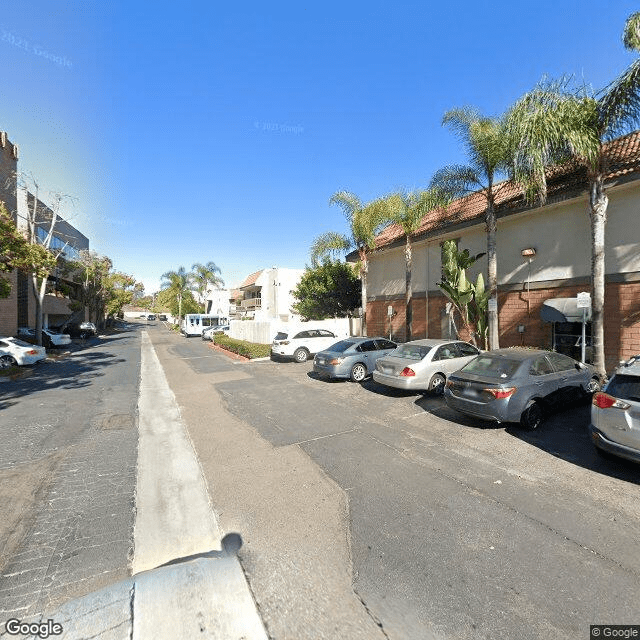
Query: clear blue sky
x: 196, y: 131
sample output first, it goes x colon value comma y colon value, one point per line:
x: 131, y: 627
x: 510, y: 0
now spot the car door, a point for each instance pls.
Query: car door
x: 543, y: 379
x: 569, y: 377
x: 367, y: 352
x: 448, y: 358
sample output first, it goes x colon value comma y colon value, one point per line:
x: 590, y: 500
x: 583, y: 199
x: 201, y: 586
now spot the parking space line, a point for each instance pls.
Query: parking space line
x: 330, y: 435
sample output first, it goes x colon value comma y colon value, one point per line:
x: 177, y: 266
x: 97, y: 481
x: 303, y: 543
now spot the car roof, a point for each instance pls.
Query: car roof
x: 515, y: 353
x: 433, y: 342
x: 629, y: 368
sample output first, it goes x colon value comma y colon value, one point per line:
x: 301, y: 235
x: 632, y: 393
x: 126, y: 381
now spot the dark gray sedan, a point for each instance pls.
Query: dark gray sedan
x: 518, y: 385
x: 353, y: 358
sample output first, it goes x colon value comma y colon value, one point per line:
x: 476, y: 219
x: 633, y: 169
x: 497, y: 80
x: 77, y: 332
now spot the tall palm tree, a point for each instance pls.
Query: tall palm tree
x: 364, y: 223
x: 408, y: 210
x: 555, y: 121
x: 487, y: 149
x: 203, y: 275
x: 178, y: 283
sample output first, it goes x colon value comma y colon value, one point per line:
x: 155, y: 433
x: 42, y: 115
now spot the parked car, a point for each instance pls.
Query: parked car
x: 162, y: 317
x: 151, y: 316
x: 518, y: 385
x: 423, y: 365
x: 50, y: 337
x: 302, y: 344
x: 17, y: 352
x: 615, y: 413
x: 207, y: 334
x: 79, y: 329
x: 353, y: 358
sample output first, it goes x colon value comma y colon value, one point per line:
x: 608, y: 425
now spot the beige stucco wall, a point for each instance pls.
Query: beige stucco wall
x: 560, y: 234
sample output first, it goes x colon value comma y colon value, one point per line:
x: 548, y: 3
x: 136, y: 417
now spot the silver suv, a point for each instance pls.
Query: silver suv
x: 615, y: 413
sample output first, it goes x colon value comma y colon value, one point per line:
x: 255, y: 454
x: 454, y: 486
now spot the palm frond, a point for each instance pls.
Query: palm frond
x: 619, y: 103
x: 329, y: 245
x: 457, y: 180
x: 631, y: 34
x: 348, y: 202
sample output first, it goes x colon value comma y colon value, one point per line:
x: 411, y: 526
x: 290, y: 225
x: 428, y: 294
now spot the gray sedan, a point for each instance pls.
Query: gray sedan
x: 353, y: 358
x: 423, y: 365
x: 518, y: 385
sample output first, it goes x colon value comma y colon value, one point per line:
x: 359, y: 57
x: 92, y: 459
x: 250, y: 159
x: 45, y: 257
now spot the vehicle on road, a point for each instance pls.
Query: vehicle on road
x: 353, y: 358
x: 151, y: 316
x: 615, y: 413
x: 78, y: 329
x: 518, y: 385
x: 302, y: 344
x: 51, y: 338
x: 195, y: 323
x: 162, y: 317
x: 17, y: 352
x: 423, y: 365
x: 207, y: 334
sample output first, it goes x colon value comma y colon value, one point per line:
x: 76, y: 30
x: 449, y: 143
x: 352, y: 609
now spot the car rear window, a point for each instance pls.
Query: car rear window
x: 341, y: 346
x: 411, y: 351
x: 281, y: 336
x: 492, y: 366
x: 624, y: 387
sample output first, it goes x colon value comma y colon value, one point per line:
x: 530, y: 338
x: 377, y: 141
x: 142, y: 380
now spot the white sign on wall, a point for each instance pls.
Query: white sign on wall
x: 583, y: 300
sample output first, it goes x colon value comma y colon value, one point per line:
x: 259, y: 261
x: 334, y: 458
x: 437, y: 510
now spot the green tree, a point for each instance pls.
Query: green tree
x: 204, y: 275
x: 167, y: 299
x: 364, y: 223
x: 556, y: 121
x: 459, y: 290
x: 178, y: 283
x: 408, y: 210
x: 488, y: 152
x: 14, y: 250
x: 327, y: 290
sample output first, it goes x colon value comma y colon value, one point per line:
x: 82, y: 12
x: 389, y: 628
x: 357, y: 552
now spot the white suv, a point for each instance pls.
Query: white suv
x: 302, y: 344
x: 615, y: 413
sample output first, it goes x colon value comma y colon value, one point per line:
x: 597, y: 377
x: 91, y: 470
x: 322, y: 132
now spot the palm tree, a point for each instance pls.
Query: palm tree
x: 179, y: 283
x: 203, y: 275
x: 408, y: 210
x: 487, y: 149
x: 364, y: 223
x: 553, y: 122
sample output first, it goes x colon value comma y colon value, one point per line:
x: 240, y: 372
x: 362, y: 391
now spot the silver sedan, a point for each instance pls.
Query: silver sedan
x: 423, y: 365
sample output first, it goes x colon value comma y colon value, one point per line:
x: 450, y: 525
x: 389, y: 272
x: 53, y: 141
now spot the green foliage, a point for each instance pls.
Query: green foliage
x: 203, y: 275
x: 241, y: 347
x: 326, y: 291
x: 178, y: 307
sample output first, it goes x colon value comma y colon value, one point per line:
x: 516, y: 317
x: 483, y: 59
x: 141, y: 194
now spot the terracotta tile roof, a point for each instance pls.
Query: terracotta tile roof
x: 250, y: 280
x: 622, y: 157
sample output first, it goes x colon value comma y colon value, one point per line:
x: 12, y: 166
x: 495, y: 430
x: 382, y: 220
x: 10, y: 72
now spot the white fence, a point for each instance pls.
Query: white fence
x: 263, y: 332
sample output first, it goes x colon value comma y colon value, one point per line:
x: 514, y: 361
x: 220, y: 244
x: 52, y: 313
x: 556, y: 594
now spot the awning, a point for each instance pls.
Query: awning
x: 562, y: 310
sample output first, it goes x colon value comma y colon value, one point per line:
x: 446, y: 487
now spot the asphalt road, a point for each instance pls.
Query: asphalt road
x: 67, y: 474
x: 458, y: 529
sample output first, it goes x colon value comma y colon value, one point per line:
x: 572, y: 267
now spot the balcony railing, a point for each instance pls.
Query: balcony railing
x: 251, y: 303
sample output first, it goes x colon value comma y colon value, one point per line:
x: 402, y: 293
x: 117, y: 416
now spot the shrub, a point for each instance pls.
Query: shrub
x: 241, y: 347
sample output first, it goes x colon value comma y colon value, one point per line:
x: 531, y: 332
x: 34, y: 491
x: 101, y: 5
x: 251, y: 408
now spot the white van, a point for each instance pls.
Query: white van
x: 195, y: 323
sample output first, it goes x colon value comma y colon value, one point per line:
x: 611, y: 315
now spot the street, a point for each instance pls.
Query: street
x: 365, y: 512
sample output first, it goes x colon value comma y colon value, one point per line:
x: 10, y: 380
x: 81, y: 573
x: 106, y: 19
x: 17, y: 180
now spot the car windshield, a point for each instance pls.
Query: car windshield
x: 411, y: 351
x: 624, y: 387
x: 492, y: 366
x: 341, y: 346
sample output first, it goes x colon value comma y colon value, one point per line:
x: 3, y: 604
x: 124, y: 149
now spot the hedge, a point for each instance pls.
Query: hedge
x: 241, y: 347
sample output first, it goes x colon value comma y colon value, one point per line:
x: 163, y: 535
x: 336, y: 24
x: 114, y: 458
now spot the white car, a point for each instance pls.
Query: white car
x: 50, y: 338
x: 16, y: 352
x: 302, y: 344
x: 207, y: 334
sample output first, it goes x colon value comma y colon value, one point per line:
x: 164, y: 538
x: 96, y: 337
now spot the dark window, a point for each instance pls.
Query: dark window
x: 342, y: 346
x: 467, y: 349
x: 302, y: 334
x: 560, y: 362
x: 446, y: 352
x: 385, y: 344
x: 492, y: 366
x: 540, y: 367
x: 281, y: 336
x: 411, y: 351
x: 369, y: 345
x: 624, y: 387
x: 326, y: 334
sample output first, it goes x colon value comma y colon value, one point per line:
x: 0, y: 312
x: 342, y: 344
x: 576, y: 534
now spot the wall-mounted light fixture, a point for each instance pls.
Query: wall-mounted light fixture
x: 528, y: 253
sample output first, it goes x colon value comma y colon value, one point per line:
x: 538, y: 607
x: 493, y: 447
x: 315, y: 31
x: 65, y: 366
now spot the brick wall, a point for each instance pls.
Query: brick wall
x: 621, y: 330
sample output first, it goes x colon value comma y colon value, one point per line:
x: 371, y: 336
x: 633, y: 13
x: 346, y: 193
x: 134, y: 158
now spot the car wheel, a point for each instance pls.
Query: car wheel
x: 7, y: 361
x: 531, y: 417
x: 436, y: 384
x: 593, y: 386
x: 358, y: 372
x: 301, y: 355
x: 83, y: 334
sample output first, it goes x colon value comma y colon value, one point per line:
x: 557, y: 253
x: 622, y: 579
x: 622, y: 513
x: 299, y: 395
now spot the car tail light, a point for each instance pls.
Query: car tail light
x: 500, y: 394
x: 407, y: 372
x: 336, y: 361
x: 32, y: 352
x: 605, y: 401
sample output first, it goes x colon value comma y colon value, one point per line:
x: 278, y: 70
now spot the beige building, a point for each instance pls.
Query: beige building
x: 543, y: 253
